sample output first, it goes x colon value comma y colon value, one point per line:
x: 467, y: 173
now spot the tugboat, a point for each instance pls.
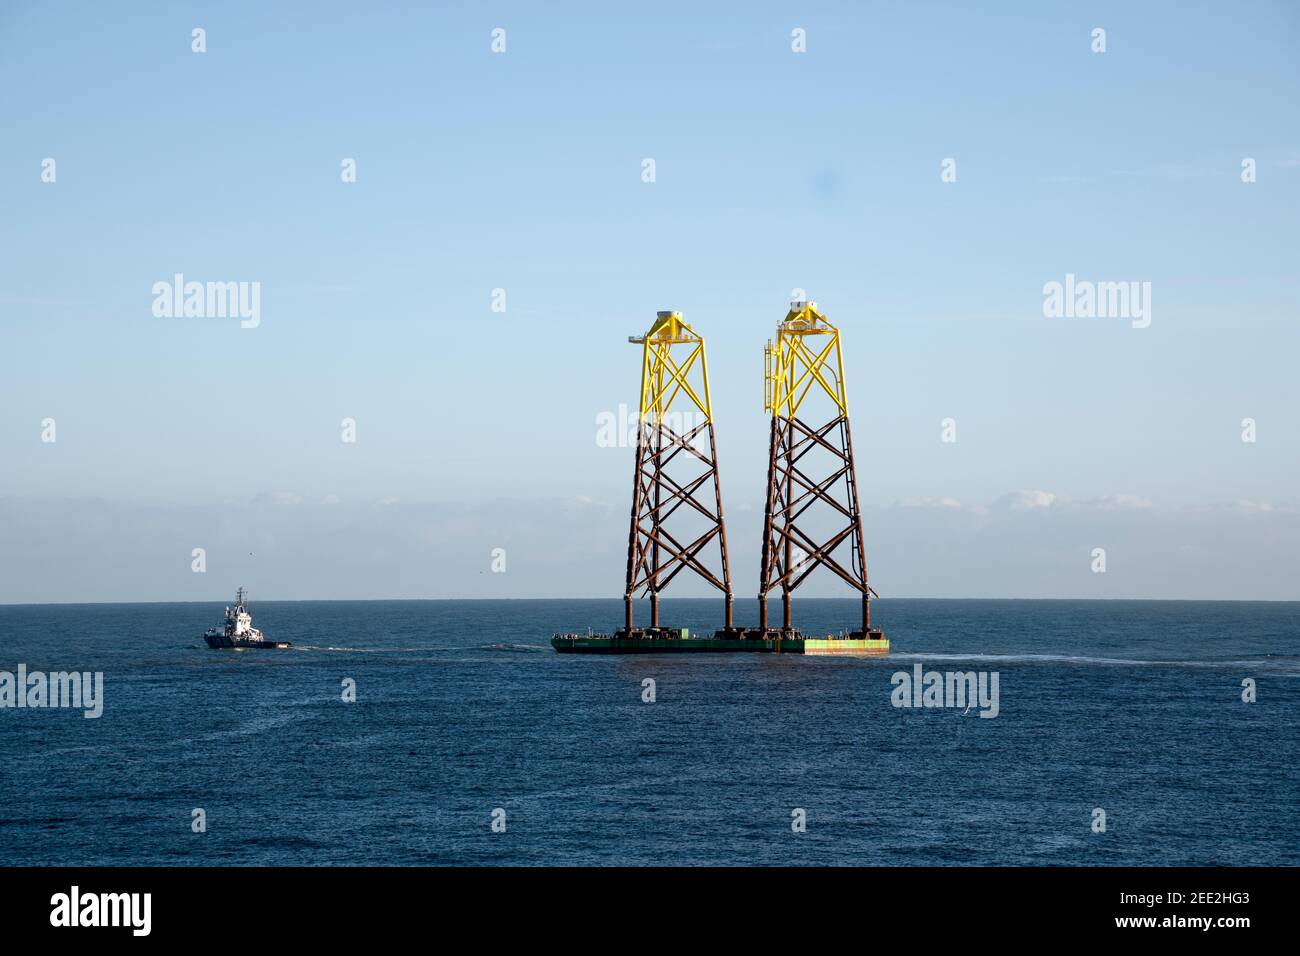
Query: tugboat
x: 238, y: 631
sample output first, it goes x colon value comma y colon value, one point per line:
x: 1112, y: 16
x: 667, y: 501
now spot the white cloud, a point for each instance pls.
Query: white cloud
x: 1024, y: 501
x: 940, y: 502
x: 1258, y: 508
x: 1115, y: 502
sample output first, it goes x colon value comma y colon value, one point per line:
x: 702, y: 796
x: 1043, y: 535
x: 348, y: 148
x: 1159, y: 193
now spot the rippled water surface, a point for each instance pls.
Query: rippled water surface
x: 463, y: 707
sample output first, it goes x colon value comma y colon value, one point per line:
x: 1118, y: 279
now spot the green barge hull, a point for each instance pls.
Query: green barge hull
x: 675, y: 641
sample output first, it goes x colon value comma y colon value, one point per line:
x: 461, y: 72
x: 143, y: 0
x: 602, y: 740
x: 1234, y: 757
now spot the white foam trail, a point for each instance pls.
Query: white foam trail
x: 366, y: 650
x: 1072, y: 659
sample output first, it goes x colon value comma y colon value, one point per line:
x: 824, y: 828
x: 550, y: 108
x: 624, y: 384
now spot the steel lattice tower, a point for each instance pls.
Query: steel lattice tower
x: 803, y: 369
x: 677, y: 510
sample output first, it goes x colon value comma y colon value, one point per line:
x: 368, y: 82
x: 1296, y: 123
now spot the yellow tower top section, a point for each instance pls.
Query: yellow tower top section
x: 671, y: 353
x: 805, y: 358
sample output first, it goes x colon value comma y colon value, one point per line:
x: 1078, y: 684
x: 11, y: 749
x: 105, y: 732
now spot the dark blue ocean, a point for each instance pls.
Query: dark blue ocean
x: 463, y: 707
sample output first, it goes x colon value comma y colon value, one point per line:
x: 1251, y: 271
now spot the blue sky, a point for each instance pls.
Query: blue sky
x: 522, y: 171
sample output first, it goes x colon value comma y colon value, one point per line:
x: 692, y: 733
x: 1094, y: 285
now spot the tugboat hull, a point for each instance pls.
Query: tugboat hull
x: 220, y: 641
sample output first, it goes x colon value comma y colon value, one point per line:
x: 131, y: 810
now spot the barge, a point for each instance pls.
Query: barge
x: 673, y: 640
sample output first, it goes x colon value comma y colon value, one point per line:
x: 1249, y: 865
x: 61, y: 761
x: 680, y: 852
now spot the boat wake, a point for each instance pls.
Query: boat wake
x: 332, y: 649
x: 1271, y: 662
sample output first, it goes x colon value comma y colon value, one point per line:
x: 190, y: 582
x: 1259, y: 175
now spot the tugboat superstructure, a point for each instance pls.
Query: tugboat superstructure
x: 238, y: 630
